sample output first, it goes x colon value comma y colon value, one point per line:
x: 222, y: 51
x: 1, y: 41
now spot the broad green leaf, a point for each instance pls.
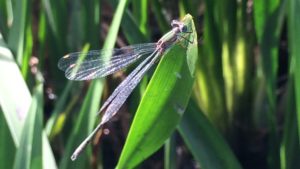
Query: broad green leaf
x: 13, y: 89
x: 15, y: 98
x: 163, y: 103
x: 207, y: 145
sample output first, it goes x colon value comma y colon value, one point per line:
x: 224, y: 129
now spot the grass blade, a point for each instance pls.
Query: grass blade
x: 84, y: 125
x: 159, y: 15
x: 290, y: 147
x: 115, y: 25
x: 294, y: 41
x: 86, y: 121
x: 17, y: 31
x: 170, y: 153
x: 140, y: 11
x: 130, y: 27
x: 268, y: 24
x: 29, y: 153
x: 205, y: 142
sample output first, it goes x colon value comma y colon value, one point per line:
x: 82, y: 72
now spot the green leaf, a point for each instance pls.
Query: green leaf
x: 13, y: 89
x: 48, y: 156
x: 15, y: 98
x: 6, y: 16
x: 160, y: 16
x: 268, y: 24
x: 140, y: 11
x: 204, y: 141
x: 6, y: 144
x: 84, y: 125
x: 163, y: 103
x: 170, y: 153
x: 17, y: 31
x: 115, y: 25
x: 29, y: 153
x: 86, y: 120
x: 130, y: 27
x: 56, y: 113
x: 294, y: 41
x: 290, y: 147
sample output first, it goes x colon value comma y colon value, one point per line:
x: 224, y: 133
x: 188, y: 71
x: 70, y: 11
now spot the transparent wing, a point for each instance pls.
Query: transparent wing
x: 94, y: 65
x: 121, y: 93
x: 118, y: 97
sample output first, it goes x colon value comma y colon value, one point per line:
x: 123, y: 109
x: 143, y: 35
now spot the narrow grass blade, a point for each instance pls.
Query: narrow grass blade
x: 163, y: 103
x: 207, y: 145
x: 86, y: 120
x: 92, y: 22
x: 84, y: 125
x: 209, y: 88
x: 56, y: 12
x: 17, y: 31
x: 29, y: 153
x: 130, y: 27
x: 76, y: 32
x: 28, y: 45
x: 290, y: 147
x: 170, y: 153
x: 115, y: 25
x: 294, y: 41
x: 140, y: 11
x: 59, y: 107
x: 159, y: 15
x: 6, y: 17
x: 268, y: 24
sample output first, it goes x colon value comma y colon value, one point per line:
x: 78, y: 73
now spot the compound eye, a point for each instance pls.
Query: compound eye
x: 173, y: 23
x: 184, y: 28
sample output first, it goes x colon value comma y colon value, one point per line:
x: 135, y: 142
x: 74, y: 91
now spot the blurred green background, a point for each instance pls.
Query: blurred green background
x: 242, y: 106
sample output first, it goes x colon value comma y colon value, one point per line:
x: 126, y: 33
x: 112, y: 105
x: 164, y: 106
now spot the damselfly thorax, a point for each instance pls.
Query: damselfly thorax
x: 172, y: 36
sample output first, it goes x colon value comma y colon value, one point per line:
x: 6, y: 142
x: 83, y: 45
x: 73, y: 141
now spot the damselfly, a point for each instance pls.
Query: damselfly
x: 92, y: 65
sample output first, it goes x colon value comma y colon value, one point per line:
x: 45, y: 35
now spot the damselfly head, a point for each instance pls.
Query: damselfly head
x: 180, y: 25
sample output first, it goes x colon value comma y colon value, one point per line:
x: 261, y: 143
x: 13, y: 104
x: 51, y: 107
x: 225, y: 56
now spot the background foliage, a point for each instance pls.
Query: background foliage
x: 244, y: 110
